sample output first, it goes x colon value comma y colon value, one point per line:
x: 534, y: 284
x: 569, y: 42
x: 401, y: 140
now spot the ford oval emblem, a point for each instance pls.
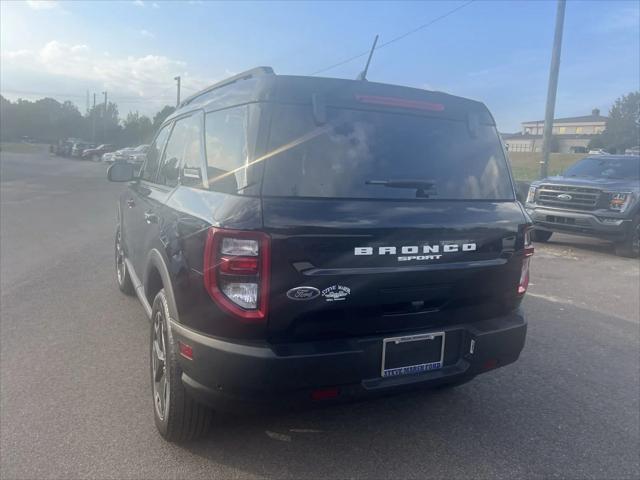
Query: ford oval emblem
x: 565, y: 196
x: 303, y: 293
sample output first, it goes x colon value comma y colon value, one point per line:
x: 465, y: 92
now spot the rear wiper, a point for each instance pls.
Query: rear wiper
x: 402, y: 183
x: 419, y: 185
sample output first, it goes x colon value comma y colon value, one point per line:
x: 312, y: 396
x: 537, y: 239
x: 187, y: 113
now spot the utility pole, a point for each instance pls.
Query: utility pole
x: 552, y: 89
x: 93, y: 118
x: 104, y: 139
x: 177, y: 79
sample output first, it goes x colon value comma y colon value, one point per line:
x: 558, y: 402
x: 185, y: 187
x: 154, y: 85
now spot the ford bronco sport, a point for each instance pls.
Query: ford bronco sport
x: 300, y: 239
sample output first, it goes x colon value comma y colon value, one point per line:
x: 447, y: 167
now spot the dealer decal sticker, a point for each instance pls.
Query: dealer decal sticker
x: 336, y: 293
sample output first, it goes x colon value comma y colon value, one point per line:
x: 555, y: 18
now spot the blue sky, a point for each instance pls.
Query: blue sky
x: 494, y: 51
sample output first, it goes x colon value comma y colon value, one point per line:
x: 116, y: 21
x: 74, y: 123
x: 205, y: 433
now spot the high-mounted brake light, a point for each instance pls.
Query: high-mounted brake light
x: 400, y: 102
x: 523, y: 284
x: 236, y: 272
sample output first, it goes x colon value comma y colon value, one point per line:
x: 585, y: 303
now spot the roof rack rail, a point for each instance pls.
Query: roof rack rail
x: 254, y: 72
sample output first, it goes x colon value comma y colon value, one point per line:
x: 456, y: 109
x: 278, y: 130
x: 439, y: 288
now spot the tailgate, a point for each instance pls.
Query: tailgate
x: 343, y: 268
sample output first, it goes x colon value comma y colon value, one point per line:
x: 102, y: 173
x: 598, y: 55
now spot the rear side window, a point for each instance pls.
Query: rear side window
x: 183, y: 148
x: 226, y: 147
x: 192, y: 168
x: 153, y: 155
x: 373, y: 154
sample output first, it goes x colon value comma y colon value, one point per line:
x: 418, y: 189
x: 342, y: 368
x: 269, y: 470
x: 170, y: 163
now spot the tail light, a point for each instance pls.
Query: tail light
x: 523, y: 284
x: 236, y: 272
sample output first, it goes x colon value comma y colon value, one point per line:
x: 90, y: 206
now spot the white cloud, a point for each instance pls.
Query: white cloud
x: 42, y: 4
x: 18, y: 54
x: 141, y: 3
x: 148, y: 78
x: 147, y: 34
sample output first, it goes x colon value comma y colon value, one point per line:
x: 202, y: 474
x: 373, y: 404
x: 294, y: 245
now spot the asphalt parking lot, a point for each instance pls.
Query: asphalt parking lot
x: 74, y: 386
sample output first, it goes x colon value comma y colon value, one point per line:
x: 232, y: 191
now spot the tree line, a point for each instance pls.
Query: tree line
x: 47, y: 120
x: 623, y: 126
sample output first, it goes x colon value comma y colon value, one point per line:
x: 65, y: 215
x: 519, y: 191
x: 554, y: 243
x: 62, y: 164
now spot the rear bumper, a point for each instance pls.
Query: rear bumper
x: 234, y: 377
x: 579, y: 223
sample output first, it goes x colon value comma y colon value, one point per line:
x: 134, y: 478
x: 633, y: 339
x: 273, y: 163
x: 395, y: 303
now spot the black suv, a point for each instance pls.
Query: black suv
x: 299, y: 239
x: 597, y: 196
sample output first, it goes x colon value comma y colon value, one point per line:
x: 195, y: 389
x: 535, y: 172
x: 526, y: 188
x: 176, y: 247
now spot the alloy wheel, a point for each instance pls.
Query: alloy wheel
x: 159, y: 366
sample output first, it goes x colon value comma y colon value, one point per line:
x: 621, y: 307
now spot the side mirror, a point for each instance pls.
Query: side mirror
x: 121, y: 172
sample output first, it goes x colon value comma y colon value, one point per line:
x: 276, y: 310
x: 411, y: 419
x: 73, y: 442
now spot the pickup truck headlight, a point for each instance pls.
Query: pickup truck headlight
x: 619, y: 201
x: 531, y: 196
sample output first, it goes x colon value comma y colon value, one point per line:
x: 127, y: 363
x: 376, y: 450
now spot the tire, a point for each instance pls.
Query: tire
x: 541, y: 236
x: 123, y: 279
x: 630, y: 247
x: 177, y: 416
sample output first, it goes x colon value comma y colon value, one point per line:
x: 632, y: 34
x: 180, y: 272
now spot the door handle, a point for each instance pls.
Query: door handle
x: 150, y: 217
x: 131, y: 203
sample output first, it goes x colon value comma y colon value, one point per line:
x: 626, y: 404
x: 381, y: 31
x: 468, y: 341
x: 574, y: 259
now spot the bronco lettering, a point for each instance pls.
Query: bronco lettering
x: 431, y: 252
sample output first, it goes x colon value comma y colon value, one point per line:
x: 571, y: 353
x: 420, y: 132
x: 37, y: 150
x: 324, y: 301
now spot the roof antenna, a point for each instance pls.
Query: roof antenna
x: 363, y: 73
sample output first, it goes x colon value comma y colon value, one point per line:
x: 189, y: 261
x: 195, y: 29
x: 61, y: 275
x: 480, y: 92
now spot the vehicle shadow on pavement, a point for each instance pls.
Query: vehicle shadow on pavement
x: 579, y: 244
x: 557, y: 411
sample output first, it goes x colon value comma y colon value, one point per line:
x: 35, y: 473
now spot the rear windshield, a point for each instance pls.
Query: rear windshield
x: 372, y: 154
x: 621, y: 168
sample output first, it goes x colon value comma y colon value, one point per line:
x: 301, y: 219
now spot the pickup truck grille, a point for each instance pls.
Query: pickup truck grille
x: 572, y: 198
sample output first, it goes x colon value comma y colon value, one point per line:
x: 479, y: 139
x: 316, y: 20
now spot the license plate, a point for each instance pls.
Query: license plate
x: 412, y: 354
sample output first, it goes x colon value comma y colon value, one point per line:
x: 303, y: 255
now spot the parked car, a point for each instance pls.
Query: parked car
x: 598, y: 196
x: 96, y: 153
x: 79, y: 147
x: 121, y: 155
x: 64, y: 146
x: 299, y: 239
x: 109, y: 157
x: 632, y: 151
x: 599, y: 151
x: 138, y: 155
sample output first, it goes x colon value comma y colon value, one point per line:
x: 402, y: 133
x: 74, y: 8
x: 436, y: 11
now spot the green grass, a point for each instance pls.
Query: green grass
x: 22, y: 147
x: 526, y: 165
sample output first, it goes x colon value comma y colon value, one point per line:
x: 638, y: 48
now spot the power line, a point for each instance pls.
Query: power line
x: 399, y: 37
